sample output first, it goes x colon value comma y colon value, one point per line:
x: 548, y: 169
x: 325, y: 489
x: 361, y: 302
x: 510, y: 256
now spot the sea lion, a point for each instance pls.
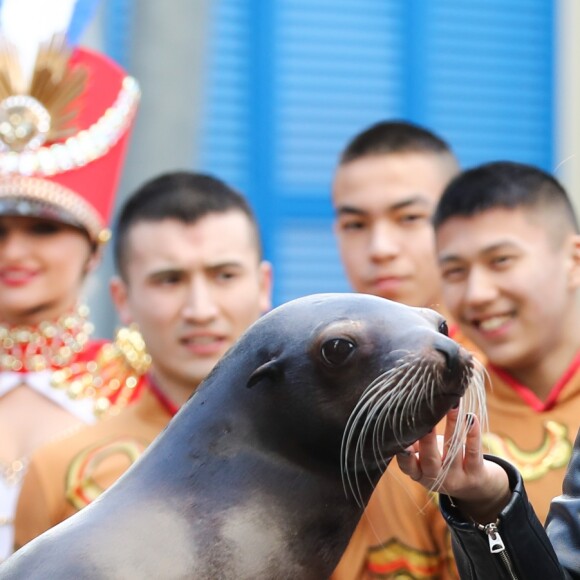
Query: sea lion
x: 265, y: 471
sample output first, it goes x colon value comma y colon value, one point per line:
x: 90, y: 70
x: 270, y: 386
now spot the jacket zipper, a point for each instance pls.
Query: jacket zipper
x: 496, y: 546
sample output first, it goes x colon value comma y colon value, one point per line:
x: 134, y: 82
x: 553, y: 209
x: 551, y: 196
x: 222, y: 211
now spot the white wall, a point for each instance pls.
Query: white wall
x: 567, y: 98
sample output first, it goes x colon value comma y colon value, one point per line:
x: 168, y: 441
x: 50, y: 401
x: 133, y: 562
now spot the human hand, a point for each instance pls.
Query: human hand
x: 480, y: 488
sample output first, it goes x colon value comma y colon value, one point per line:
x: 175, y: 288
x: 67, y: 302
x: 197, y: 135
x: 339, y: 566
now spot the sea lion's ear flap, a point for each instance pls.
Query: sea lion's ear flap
x: 269, y: 371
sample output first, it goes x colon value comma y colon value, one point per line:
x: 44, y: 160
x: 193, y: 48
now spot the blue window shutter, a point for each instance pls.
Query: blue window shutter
x: 291, y: 81
x: 226, y: 113
x: 338, y: 68
x: 488, y: 67
x: 119, y: 16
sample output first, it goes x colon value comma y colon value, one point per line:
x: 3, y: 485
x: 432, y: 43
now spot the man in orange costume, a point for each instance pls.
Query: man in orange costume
x: 191, y: 275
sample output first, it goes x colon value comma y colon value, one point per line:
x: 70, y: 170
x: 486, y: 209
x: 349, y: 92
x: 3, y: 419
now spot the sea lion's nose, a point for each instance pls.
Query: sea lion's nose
x: 449, y: 349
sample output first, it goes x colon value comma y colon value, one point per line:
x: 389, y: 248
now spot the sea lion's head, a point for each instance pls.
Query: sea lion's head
x: 354, y: 378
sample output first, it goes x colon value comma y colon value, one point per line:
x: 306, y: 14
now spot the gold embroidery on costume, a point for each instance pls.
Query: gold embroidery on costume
x: 401, y: 562
x: 50, y: 345
x: 553, y: 453
x: 80, y: 486
x: 112, y: 377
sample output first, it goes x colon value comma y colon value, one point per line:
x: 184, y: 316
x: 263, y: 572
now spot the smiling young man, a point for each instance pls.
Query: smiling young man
x: 192, y: 277
x: 509, y: 250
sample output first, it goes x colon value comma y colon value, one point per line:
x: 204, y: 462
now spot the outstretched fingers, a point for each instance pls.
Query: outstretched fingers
x: 480, y: 486
x: 424, y: 461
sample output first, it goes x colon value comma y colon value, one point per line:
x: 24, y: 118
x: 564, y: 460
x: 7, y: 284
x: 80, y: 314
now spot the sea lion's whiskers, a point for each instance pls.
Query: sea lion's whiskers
x: 428, y: 394
x: 381, y: 401
x: 382, y: 391
x: 413, y: 399
x: 400, y: 410
x: 403, y: 415
x: 368, y: 395
x: 389, y: 401
x: 401, y: 395
x: 421, y: 395
x: 477, y: 394
x: 435, y: 380
x: 360, y: 449
x: 358, y: 414
x: 360, y: 410
x: 378, y: 427
x: 396, y: 408
x: 387, y: 408
x: 420, y: 391
x: 404, y: 405
x: 365, y: 408
x: 473, y: 402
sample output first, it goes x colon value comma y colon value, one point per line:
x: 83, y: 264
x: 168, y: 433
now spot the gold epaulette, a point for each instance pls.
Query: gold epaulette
x: 113, y: 375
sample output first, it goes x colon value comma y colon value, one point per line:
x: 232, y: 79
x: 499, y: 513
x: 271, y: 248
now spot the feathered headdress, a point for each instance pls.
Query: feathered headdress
x: 65, y: 116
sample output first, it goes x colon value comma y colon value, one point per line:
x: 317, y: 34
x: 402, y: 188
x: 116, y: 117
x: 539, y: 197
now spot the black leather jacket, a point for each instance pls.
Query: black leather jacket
x: 530, y: 552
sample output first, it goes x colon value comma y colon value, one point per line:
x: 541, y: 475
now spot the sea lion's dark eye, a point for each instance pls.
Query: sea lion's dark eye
x: 443, y: 328
x: 336, y: 350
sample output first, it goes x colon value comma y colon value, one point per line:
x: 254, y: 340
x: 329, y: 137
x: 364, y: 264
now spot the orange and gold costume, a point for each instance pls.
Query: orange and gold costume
x: 88, y: 379
x: 402, y: 533
x: 66, y: 475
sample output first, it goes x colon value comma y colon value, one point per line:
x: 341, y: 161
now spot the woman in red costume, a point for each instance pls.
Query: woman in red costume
x: 64, y: 127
